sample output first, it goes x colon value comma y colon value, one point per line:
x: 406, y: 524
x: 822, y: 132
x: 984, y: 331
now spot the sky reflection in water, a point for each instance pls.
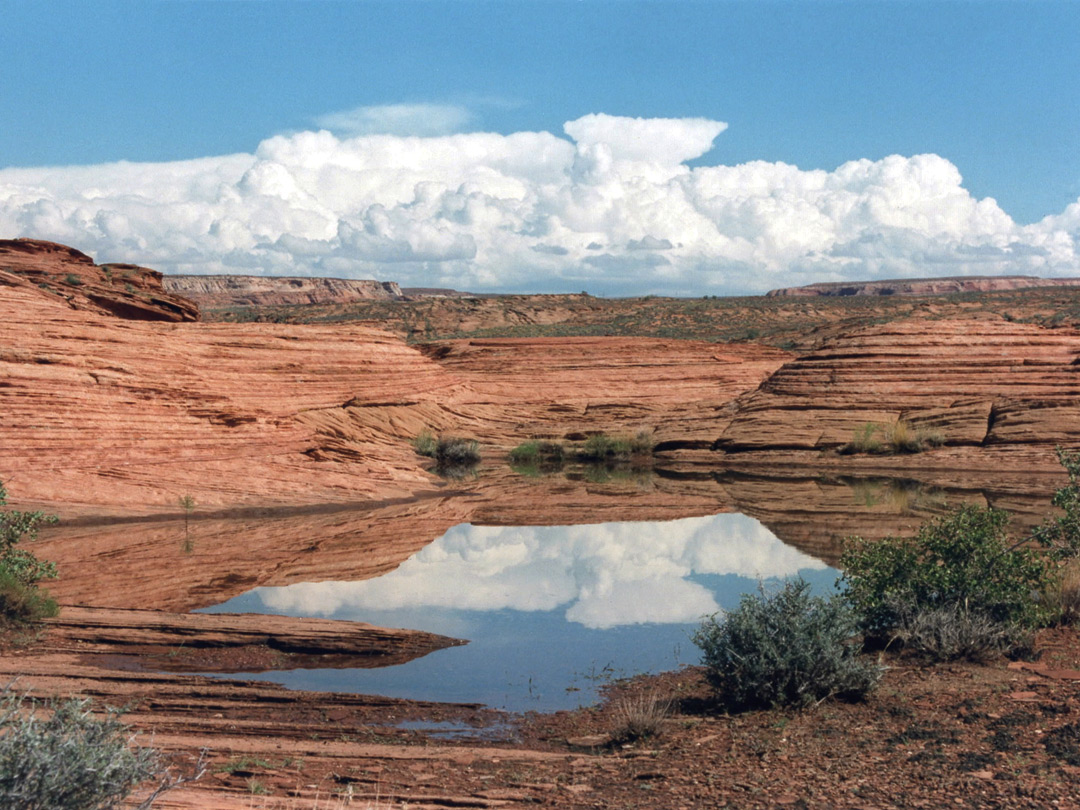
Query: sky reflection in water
x: 549, y: 611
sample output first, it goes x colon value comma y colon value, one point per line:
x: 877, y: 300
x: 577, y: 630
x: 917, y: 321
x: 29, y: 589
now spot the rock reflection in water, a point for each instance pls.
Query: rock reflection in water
x: 543, y: 606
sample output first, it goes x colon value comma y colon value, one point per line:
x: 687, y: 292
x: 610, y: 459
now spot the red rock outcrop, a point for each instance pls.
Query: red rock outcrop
x: 112, y: 413
x: 974, y: 383
x: 208, y: 642
x: 925, y: 286
x: 124, y: 290
x: 217, y: 292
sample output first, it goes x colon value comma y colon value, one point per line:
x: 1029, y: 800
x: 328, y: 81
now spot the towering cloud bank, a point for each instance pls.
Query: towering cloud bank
x: 612, y: 207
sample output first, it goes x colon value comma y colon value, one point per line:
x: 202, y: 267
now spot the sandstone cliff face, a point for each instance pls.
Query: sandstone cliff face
x: 124, y: 290
x: 925, y: 286
x: 112, y: 413
x: 218, y: 292
x: 974, y: 383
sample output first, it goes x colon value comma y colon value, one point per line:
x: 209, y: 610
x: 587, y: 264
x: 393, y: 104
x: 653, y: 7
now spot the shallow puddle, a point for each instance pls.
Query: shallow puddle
x: 551, y: 612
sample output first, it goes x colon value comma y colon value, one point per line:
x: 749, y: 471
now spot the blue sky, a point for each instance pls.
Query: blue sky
x: 992, y: 89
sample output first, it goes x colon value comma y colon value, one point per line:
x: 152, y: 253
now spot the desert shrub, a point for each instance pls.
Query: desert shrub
x: 536, y: 452
x: 73, y: 280
x: 1062, y: 596
x: 784, y: 649
x: 1060, y: 534
x: 58, y: 755
x: 425, y: 443
x: 897, y: 438
x: 21, y: 602
x: 639, y: 717
x: 865, y: 439
x: 601, y: 448
x: 452, y: 451
x: 953, y: 631
x: 963, y: 559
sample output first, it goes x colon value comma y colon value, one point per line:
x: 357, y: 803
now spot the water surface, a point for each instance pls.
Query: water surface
x: 550, y: 612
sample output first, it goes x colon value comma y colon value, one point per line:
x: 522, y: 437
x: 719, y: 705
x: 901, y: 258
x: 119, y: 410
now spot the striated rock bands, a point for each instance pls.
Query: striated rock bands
x: 972, y: 382
x: 123, y: 290
x: 218, y: 292
x: 924, y: 286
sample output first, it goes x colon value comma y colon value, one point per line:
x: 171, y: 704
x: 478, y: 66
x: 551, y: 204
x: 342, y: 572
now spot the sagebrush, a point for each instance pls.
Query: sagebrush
x: 59, y: 756
x: 788, y: 648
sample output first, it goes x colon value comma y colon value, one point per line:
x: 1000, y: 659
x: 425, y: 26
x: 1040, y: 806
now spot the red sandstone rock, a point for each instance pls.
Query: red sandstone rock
x: 124, y: 290
x: 973, y: 383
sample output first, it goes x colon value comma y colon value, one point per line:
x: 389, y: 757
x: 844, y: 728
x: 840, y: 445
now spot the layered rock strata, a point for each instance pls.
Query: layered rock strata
x: 205, y: 642
x: 123, y: 290
x: 219, y: 292
x: 975, y: 384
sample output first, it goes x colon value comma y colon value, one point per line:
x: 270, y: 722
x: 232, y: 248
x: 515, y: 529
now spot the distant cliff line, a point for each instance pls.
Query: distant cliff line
x: 924, y: 286
x: 214, y: 292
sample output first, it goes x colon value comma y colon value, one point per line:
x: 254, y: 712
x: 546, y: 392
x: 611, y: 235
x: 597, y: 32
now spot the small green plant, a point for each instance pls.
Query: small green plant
x: 964, y: 560
x: 21, y: 601
x: 73, y: 280
x: 257, y: 788
x: 784, y: 649
x: 425, y: 443
x: 900, y: 437
x: 59, y: 755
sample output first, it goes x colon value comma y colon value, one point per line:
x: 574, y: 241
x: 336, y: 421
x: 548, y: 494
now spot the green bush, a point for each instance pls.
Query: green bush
x: 1060, y: 534
x: 962, y: 559
x: 20, y: 571
x: 787, y: 649
x: 22, y: 604
x: 537, y: 452
x: 603, y: 448
x: 64, y: 757
x: 452, y: 451
x: 425, y: 443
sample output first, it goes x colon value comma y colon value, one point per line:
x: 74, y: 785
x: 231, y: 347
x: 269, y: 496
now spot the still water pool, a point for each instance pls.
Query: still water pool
x: 550, y: 612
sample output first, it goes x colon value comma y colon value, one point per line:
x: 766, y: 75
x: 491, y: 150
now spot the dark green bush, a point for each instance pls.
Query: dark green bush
x: 537, y: 452
x: 785, y: 649
x: 22, y: 604
x: 452, y: 451
x: 962, y: 559
x: 58, y: 755
x: 1060, y: 534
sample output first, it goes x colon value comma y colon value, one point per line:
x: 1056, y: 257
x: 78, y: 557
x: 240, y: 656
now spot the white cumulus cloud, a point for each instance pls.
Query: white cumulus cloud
x: 399, y: 192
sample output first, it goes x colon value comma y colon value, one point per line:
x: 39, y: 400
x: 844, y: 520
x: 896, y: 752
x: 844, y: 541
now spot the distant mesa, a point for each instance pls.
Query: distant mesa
x: 219, y: 292
x: 924, y: 286
x: 124, y: 290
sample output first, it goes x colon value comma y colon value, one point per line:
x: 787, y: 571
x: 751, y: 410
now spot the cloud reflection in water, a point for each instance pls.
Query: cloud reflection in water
x: 606, y: 575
